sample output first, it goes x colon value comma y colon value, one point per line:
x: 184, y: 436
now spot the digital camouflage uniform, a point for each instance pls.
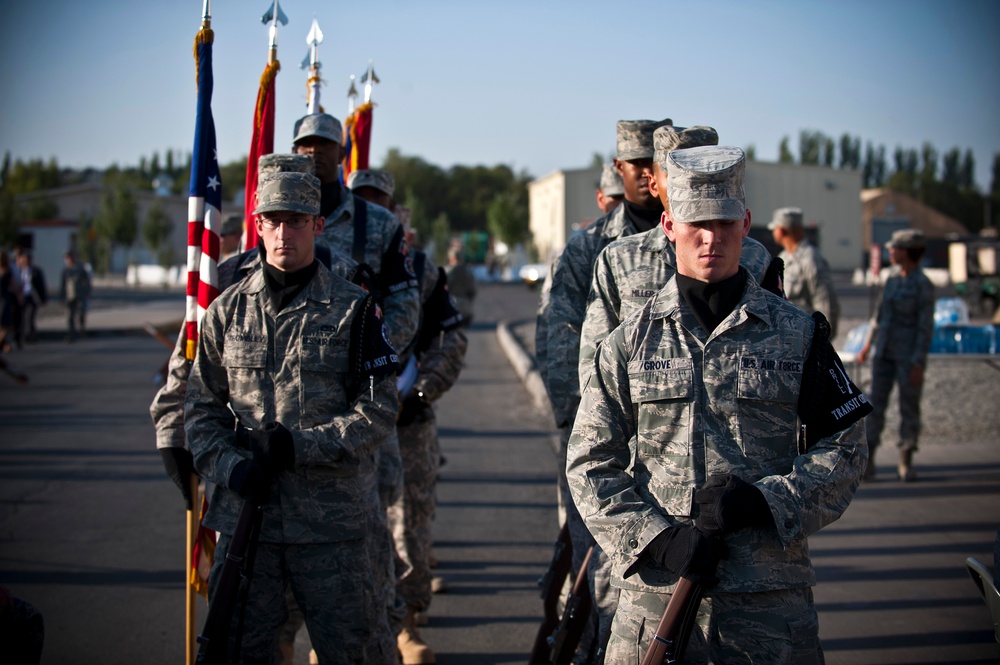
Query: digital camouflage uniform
x: 671, y: 405
x: 809, y: 282
x: 901, y: 332
x: 561, y: 313
x: 628, y: 272
x: 441, y: 350
x: 322, y: 367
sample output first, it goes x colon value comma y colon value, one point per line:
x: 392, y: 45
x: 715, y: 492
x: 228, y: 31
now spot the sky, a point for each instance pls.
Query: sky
x: 534, y: 85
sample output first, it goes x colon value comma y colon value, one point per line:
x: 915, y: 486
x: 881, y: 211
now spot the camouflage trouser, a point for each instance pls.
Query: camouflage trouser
x: 410, y: 516
x: 732, y: 628
x: 581, y: 541
x: 333, y: 585
x: 605, y: 600
x: 390, y: 488
x: 885, y: 372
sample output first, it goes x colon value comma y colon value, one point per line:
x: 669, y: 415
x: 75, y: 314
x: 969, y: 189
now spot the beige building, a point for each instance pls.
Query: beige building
x: 563, y: 202
x: 559, y: 204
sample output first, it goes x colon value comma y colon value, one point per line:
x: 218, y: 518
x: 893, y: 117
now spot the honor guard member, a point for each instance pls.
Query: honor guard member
x: 564, y: 297
x: 901, y: 332
x: 167, y: 409
x: 362, y: 230
x: 610, y: 190
x: 688, y: 447
x: 373, y: 186
x: 291, y: 393
x: 627, y: 273
x: 230, y: 236
x: 808, y: 281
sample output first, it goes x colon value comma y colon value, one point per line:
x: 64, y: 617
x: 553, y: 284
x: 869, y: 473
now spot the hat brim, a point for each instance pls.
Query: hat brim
x: 286, y: 206
x: 705, y: 210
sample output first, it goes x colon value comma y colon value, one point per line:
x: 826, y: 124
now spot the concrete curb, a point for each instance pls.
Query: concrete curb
x: 524, y: 366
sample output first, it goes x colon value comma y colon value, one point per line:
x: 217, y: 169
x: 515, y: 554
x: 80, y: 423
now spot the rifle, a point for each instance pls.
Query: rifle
x: 564, y: 640
x: 672, y: 633
x: 231, y: 594
x: 551, y: 586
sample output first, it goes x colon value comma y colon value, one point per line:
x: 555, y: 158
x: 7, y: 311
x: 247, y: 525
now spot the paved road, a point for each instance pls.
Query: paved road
x: 90, y: 529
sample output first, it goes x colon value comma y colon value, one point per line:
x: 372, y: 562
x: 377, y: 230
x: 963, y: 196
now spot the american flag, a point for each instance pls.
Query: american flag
x: 204, y: 201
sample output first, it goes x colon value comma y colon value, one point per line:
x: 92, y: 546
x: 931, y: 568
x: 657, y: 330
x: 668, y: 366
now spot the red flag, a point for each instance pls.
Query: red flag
x: 261, y: 144
x: 357, y: 139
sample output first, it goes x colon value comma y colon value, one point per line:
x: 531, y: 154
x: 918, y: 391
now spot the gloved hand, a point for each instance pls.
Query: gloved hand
x: 688, y: 553
x: 413, y: 409
x: 251, y: 481
x: 179, y: 465
x: 726, y: 504
x: 272, y: 447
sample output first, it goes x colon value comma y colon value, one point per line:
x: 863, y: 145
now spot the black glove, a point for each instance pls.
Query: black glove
x: 414, y: 409
x: 179, y: 465
x: 251, y: 481
x: 688, y: 553
x: 272, y: 447
x: 727, y: 503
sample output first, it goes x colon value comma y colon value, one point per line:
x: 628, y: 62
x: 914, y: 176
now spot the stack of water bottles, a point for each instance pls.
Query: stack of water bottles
x: 952, y: 331
x: 953, y: 334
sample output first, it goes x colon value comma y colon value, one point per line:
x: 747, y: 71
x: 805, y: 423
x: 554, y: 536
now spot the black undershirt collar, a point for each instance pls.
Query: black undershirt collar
x: 643, y: 218
x: 282, y: 287
x: 712, y: 302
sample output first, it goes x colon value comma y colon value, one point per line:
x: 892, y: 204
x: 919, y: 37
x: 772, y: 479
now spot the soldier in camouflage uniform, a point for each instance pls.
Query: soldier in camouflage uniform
x: 291, y: 393
x: 431, y: 370
x: 901, y: 332
x: 610, y: 190
x: 564, y: 302
x: 628, y: 272
x: 167, y: 408
x: 808, y: 281
x: 687, y: 446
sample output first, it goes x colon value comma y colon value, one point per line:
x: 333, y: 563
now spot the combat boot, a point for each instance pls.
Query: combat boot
x: 906, y: 472
x: 411, y: 646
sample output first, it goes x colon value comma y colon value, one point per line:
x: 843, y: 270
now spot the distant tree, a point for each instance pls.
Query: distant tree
x: 967, y: 172
x: 950, y: 162
x: 40, y: 208
x: 879, y: 167
x: 5, y: 169
x: 507, y: 220
x: 87, y: 242
x: 850, y: 152
x: 419, y: 221
x: 929, y: 159
x: 751, y: 152
x: 154, y: 165
x: 169, y: 164
x: 233, y: 174
x: 156, y: 231
x: 785, y: 155
x: 810, y: 146
x: 829, y: 151
x: 597, y: 161
x: 995, y: 183
x: 441, y: 236
x: 9, y: 220
x: 118, y: 219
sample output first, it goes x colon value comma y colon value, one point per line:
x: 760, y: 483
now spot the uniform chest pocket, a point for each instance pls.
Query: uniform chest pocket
x: 663, y: 402
x: 768, y: 395
x: 323, y: 370
x: 246, y: 366
x: 237, y: 356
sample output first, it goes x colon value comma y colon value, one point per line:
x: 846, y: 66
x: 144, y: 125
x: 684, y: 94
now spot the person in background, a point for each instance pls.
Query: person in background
x: 461, y: 283
x: 74, y: 292
x: 33, y: 295
x: 230, y: 237
x: 610, y: 190
x: 10, y: 295
x: 808, y: 281
x: 900, y: 331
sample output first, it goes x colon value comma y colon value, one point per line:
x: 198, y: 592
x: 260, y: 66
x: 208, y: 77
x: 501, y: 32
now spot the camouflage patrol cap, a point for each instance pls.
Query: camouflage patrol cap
x: 669, y: 138
x: 706, y: 183
x: 908, y: 239
x: 786, y: 218
x: 611, y: 181
x: 232, y: 224
x: 279, y: 163
x: 288, y: 192
x: 318, y: 124
x: 635, y: 138
x: 380, y: 180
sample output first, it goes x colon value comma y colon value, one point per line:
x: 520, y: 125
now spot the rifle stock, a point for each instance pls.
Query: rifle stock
x: 675, y: 625
x: 551, y: 585
x: 566, y: 637
x: 214, y: 639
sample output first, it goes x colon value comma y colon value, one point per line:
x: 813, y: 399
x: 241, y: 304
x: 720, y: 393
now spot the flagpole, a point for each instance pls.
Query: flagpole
x: 190, y: 595
x: 313, y: 39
